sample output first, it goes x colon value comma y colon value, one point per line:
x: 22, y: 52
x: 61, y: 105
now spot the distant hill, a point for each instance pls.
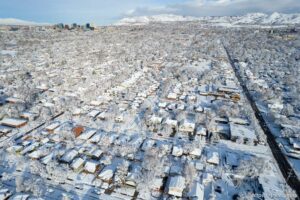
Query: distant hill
x: 251, y: 18
x: 13, y: 21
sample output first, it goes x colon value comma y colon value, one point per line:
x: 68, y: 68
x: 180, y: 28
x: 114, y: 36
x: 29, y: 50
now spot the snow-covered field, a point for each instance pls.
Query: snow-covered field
x: 145, y: 112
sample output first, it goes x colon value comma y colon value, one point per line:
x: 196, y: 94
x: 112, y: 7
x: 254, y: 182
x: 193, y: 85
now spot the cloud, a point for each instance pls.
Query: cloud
x: 199, y: 8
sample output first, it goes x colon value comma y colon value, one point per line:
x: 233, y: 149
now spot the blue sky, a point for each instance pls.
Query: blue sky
x: 109, y: 11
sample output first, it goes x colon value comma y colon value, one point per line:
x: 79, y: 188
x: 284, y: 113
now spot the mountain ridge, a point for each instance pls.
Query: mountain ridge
x: 19, y: 22
x: 250, y: 18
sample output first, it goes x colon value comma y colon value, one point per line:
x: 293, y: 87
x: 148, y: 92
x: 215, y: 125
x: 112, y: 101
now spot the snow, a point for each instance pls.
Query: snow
x: 232, y: 159
x: 8, y: 52
x: 189, y: 61
x: 242, y: 132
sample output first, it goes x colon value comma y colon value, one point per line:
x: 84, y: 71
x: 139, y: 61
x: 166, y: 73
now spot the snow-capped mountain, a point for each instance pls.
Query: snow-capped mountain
x: 251, y: 18
x: 13, y: 21
x: 156, y: 18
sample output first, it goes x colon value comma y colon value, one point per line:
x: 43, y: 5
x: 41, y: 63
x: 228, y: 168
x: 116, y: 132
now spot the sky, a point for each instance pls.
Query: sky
x: 103, y: 12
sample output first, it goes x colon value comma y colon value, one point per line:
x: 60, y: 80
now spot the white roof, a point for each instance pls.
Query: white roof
x: 96, y: 138
x: 172, y: 95
x: 70, y: 155
x: 28, y: 115
x: 47, y: 158
x: 52, y: 126
x: 93, y: 113
x: 213, y: 158
x: 36, y: 154
x: 14, y: 100
x: 5, y: 193
x: 96, y: 103
x: 107, y: 173
x: 97, y: 153
x: 91, y: 166
x: 157, y: 183
x: 77, y: 163
x: 13, y: 122
x: 20, y: 197
x: 5, y: 129
x: 199, y: 109
x: 87, y: 134
x: 156, y: 120
x: 102, y: 115
x: 176, y: 186
x: 181, y: 107
x: 177, y: 151
x: 238, y: 121
x: 129, y: 191
x: 14, y: 148
x: 201, y: 130
x: 172, y: 122
x: 196, y: 152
